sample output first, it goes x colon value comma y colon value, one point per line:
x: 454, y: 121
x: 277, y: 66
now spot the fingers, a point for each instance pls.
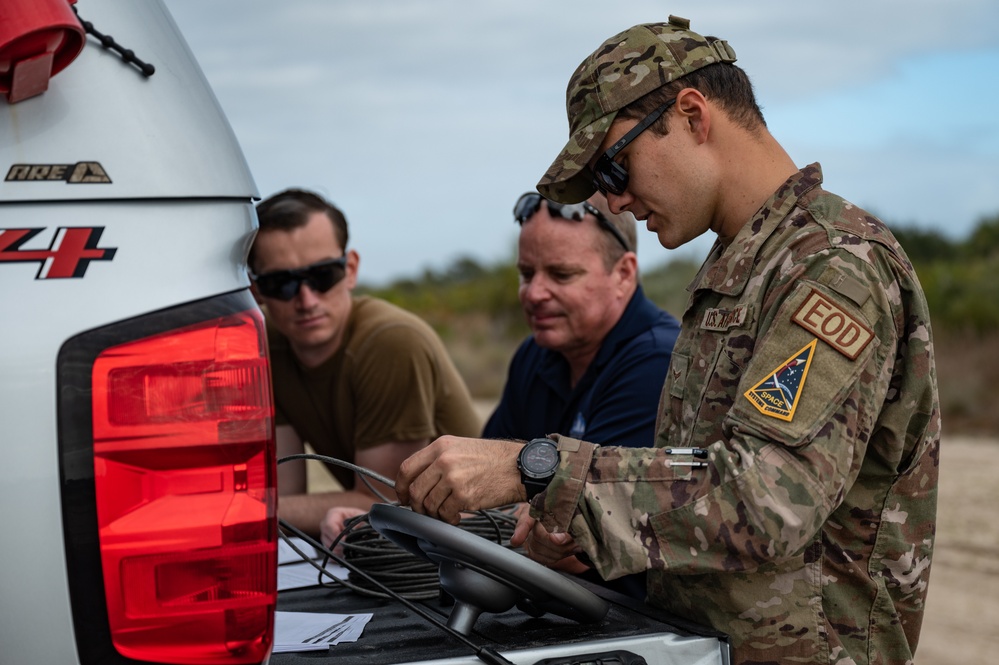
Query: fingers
x: 549, y: 548
x: 436, y: 501
x: 424, y: 483
x: 327, y: 535
x: 455, y: 474
x: 329, y: 529
x: 539, y: 551
x: 560, y: 538
x: 524, y: 525
x: 570, y: 564
x: 333, y: 523
x: 447, y: 502
x: 411, y: 469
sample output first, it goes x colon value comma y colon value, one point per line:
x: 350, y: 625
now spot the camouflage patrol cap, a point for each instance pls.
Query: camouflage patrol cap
x: 624, y: 68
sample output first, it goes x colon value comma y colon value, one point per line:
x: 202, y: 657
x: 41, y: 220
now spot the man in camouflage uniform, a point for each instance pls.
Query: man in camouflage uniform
x: 804, y: 369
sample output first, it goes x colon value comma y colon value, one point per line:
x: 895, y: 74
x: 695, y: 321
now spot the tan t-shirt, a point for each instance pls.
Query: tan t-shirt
x: 391, y: 381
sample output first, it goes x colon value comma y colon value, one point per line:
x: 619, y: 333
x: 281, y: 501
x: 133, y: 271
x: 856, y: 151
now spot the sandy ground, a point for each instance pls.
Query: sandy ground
x: 961, y: 625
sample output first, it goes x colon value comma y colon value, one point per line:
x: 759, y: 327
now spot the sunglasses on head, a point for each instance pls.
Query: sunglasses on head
x: 529, y: 203
x: 285, y: 284
x: 610, y: 177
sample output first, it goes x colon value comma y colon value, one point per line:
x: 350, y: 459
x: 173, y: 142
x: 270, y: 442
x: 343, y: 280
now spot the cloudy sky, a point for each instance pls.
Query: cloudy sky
x: 425, y: 119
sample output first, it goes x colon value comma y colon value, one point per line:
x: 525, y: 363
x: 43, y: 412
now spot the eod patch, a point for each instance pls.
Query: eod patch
x: 833, y: 325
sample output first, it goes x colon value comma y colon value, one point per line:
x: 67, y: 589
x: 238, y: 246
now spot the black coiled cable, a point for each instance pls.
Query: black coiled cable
x: 402, y: 572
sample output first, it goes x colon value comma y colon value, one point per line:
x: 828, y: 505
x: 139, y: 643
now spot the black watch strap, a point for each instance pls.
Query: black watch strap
x: 534, y: 487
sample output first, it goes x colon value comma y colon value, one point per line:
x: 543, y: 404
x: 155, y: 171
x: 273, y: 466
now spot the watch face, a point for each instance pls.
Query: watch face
x: 540, y: 458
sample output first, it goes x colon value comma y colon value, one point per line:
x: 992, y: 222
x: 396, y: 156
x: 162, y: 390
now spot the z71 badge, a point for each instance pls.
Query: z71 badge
x: 68, y: 255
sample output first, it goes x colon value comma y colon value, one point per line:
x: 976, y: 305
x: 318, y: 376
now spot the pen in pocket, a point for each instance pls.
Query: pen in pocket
x: 695, y: 452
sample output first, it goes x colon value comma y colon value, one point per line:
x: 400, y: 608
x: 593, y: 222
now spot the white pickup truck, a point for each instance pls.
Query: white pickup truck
x: 138, y: 479
x: 138, y: 483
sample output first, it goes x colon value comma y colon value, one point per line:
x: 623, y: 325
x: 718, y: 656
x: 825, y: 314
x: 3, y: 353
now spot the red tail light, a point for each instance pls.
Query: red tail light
x: 185, y: 490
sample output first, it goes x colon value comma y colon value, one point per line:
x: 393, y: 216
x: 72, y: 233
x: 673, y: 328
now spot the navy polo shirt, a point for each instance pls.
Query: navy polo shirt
x: 616, y: 401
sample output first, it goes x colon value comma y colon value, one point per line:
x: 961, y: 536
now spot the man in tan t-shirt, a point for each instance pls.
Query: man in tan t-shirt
x: 359, y: 379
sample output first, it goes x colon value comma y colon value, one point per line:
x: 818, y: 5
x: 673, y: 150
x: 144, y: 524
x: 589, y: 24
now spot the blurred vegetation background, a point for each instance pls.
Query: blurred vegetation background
x: 475, y: 309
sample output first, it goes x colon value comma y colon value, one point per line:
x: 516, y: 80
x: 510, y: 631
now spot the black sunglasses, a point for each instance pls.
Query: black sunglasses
x: 609, y: 176
x: 285, y: 284
x: 529, y: 203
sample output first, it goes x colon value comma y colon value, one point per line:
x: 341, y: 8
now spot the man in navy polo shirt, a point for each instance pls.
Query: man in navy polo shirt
x: 598, y: 355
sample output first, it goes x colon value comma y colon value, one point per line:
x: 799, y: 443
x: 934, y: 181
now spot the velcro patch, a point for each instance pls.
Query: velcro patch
x: 777, y: 394
x: 720, y: 320
x: 833, y: 325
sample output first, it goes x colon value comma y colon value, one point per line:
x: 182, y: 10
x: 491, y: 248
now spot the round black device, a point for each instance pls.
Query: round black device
x: 483, y: 576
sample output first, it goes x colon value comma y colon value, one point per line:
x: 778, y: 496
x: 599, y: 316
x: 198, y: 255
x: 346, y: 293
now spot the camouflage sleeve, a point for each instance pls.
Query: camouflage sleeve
x: 789, y: 448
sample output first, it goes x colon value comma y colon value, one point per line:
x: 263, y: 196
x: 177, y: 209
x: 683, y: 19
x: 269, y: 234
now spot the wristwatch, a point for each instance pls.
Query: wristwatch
x: 538, y: 461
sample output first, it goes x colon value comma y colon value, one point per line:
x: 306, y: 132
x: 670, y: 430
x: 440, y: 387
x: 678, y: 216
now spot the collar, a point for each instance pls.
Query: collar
x: 727, y: 269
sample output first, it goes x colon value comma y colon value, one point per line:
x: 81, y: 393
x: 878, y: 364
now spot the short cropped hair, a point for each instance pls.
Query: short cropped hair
x: 723, y: 83
x: 291, y: 209
x: 611, y: 250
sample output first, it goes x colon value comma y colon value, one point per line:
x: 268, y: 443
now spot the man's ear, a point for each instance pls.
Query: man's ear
x: 694, y: 113
x: 353, y: 264
x: 627, y: 271
x: 256, y: 294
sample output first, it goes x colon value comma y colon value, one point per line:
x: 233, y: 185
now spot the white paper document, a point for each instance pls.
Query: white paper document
x: 296, y: 573
x: 304, y: 574
x: 287, y: 555
x: 305, y: 631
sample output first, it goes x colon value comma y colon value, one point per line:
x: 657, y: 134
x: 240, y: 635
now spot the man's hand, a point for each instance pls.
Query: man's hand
x: 555, y: 550
x: 455, y: 474
x: 332, y: 524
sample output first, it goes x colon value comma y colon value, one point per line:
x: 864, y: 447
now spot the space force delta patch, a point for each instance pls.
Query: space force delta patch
x: 777, y: 395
